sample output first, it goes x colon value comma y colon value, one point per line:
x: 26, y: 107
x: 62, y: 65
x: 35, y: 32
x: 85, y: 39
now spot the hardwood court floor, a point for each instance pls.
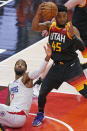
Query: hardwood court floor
x: 63, y: 112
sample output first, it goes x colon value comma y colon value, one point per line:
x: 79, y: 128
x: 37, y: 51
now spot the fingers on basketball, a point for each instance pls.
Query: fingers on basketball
x: 48, y: 10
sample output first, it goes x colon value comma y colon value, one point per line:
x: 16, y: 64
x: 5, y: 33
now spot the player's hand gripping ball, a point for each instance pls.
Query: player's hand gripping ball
x: 49, y: 10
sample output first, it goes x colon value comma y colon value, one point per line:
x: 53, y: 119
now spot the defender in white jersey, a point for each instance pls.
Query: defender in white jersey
x: 19, y: 100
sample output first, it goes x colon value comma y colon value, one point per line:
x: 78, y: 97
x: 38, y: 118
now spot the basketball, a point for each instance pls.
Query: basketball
x: 48, y: 10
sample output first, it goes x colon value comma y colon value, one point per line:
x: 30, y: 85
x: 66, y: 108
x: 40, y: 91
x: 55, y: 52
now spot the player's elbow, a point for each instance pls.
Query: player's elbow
x: 34, y: 26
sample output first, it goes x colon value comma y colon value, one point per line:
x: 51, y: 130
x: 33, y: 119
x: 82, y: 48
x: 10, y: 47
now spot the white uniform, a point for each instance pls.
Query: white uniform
x: 20, y: 96
x: 20, y: 101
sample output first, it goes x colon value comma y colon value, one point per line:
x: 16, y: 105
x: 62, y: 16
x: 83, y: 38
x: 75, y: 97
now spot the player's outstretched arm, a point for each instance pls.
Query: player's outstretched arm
x: 36, y: 73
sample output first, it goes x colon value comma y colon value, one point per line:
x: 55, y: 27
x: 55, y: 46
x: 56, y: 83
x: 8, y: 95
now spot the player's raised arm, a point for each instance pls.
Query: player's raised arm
x: 36, y: 25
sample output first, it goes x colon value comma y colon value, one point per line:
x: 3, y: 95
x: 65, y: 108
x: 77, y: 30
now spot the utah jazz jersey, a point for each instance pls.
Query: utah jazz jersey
x: 79, y: 20
x: 61, y: 43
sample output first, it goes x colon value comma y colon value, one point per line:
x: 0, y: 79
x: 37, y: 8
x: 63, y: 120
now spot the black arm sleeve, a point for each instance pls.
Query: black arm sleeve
x: 79, y: 45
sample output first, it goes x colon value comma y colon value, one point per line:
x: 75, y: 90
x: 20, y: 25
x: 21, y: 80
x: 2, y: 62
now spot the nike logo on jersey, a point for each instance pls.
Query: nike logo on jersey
x: 72, y: 64
x: 58, y: 36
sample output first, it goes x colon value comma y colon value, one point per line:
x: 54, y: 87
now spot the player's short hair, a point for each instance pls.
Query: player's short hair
x: 23, y: 62
x: 62, y: 8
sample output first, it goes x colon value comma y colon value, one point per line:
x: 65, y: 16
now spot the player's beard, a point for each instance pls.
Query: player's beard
x: 19, y: 72
x: 62, y: 25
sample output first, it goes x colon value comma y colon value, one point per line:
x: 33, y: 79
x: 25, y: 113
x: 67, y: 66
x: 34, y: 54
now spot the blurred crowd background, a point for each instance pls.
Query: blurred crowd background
x: 26, y: 9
